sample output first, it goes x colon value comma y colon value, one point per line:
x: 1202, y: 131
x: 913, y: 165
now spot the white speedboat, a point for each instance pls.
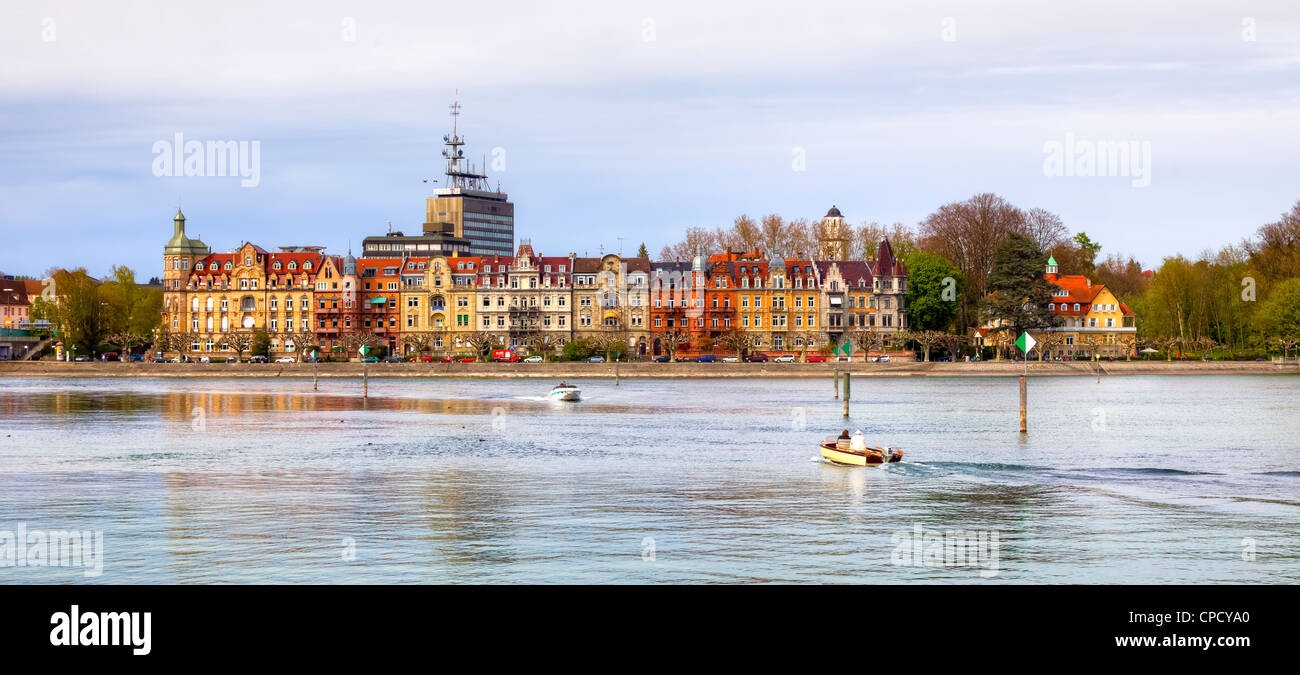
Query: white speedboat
x: 565, y: 392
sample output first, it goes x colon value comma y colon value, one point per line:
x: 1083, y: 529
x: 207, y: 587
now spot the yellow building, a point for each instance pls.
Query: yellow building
x: 1094, y: 323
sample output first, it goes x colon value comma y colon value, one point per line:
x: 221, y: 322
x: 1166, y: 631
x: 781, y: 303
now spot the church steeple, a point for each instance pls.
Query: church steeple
x: 1051, y: 264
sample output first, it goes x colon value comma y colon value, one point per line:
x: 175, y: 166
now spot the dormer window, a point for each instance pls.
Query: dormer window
x: 199, y: 266
x: 227, y: 265
x: 293, y: 264
x: 276, y: 265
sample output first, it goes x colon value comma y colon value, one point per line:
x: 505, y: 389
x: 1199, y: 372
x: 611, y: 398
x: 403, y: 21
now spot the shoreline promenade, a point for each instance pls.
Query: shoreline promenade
x: 646, y: 370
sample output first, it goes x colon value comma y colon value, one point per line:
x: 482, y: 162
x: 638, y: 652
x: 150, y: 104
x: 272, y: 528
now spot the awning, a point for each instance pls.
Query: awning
x: 379, y: 301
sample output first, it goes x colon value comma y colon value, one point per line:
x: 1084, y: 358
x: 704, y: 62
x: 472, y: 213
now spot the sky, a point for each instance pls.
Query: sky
x: 636, y: 120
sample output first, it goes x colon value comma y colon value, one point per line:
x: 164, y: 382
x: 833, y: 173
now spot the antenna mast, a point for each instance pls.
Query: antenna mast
x: 458, y: 175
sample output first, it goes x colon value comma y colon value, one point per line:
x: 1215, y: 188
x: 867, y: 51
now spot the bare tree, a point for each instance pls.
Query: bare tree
x: 953, y: 342
x: 969, y: 233
x: 353, y: 341
x: 1045, y: 228
x: 480, y: 342
x: 609, y: 340
x: 238, y: 342
x: 927, y: 339
x: 736, y: 340
x: 869, y: 340
x: 671, y: 338
x: 126, y: 340
x: 805, y: 341
x: 418, y: 342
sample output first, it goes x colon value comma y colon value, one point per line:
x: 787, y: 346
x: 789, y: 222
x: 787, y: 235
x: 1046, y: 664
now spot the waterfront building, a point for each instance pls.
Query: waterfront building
x: 1093, y: 322
x: 211, y: 299
x: 611, y: 297
x: 437, y: 239
x: 524, y: 301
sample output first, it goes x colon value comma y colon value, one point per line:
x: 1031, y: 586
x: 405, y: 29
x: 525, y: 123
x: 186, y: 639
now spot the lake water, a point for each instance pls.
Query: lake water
x: 1131, y: 480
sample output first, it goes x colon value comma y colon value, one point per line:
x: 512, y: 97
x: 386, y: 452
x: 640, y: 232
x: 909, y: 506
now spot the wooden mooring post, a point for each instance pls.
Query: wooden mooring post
x: 315, y: 374
x: 365, y: 381
x: 1024, y: 401
x: 846, y: 393
x: 837, y: 383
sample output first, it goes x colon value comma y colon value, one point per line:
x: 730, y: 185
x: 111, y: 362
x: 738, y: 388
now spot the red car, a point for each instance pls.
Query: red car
x: 421, y: 359
x: 467, y: 359
x: 816, y: 358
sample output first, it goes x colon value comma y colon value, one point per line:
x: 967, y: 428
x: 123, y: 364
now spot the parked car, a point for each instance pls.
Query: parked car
x: 535, y: 358
x: 816, y: 358
x: 81, y: 359
x: 757, y: 358
x: 708, y: 358
x: 731, y: 359
x: 419, y: 359
x: 595, y: 359
x: 109, y: 356
x: 395, y: 359
x: 258, y: 359
x: 466, y: 359
x: 205, y: 359
x: 290, y: 359
x: 231, y: 359
x: 685, y: 359
x: 664, y: 358
x: 785, y: 358
x: 370, y: 359
x: 159, y: 359
x: 137, y: 358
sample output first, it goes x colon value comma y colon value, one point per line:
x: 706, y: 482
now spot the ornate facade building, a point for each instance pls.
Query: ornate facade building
x: 455, y: 305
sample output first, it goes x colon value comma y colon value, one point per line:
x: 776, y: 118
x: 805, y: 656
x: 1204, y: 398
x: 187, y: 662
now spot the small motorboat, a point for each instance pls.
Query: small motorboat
x: 832, y: 451
x: 565, y: 392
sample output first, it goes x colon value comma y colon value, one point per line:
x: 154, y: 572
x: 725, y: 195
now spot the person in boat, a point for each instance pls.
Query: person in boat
x: 562, y: 384
x: 843, y: 440
x: 859, y: 442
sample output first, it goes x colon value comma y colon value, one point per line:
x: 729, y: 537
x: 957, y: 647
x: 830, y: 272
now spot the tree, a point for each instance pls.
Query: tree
x: 953, y: 342
x: 418, y: 342
x: 1089, y: 249
x: 671, y: 338
x: 1048, y: 343
x: 609, y: 342
x: 969, y: 233
x: 1279, y: 316
x: 1045, y: 228
x: 805, y: 341
x: 867, y: 340
x: 1276, y: 253
x: 934, y: 288
x: 642, y: 252
x: 926, y: 338
x: 239, y: 342
x: 260, y: 345
x: 576, y: 350
x: 1123, y: 277
x: 867, y: 237
x: 125, y: 340
x: 180, y: 342
x: 1019, y: 293
x: 131, y: 308
x: 75, y: 308
x: 480, y: 342
x: 738, y: 341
